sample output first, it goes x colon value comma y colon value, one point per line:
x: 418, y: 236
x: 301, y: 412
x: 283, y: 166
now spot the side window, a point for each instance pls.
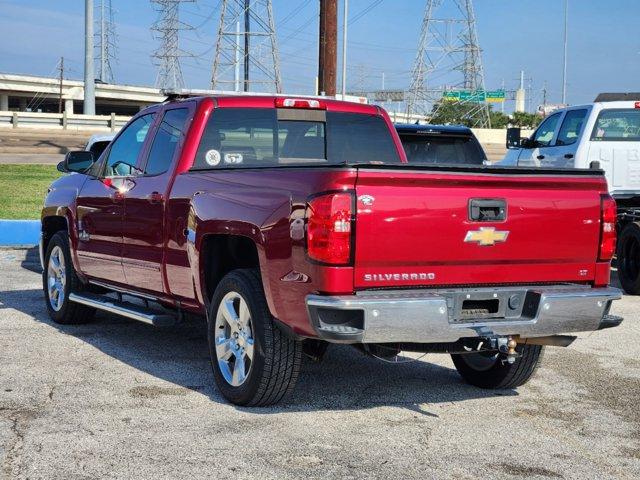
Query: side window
x: 125, y: 149
x: 571, y: 127
x: 544, y: 133
x: 166, y: 141
x: 238, y: 137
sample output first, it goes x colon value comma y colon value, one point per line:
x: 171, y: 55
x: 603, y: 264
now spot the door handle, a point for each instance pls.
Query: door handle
x: 540, y: 157
x: 568, y: 155
x: 155, y: 197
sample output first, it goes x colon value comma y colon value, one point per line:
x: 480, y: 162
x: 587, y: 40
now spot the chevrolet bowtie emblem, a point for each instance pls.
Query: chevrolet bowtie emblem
x: 486, y: 236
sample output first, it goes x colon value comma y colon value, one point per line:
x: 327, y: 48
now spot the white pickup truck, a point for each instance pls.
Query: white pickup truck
x: 606, y: 131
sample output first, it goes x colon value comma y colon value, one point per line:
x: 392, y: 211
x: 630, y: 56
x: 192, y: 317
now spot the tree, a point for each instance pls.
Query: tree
x: 498, y: 119
x: 525, y: 120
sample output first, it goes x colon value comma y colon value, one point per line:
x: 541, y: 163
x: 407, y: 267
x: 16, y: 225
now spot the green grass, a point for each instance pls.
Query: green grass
x: 23, y: 188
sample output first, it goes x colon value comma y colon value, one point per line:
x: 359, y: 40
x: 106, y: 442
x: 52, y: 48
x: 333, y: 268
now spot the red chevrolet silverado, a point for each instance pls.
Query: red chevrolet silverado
x: 291, y: 223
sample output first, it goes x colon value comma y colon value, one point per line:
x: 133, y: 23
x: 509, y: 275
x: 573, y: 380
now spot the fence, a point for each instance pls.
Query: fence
x: 62, y: 121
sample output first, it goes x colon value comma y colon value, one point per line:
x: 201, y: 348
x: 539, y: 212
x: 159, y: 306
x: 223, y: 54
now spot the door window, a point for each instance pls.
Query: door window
x: 125, y: 149
x: 544, y: 133
x: 571, y: 127
x: 166, y: 141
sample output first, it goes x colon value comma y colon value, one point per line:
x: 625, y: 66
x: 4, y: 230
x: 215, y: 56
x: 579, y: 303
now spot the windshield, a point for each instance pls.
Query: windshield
x: 268, y: 137
x: 442, y: 149
x: 617, y: 125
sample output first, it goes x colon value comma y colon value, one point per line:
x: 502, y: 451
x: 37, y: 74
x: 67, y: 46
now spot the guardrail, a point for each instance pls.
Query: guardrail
x: 62, y: 121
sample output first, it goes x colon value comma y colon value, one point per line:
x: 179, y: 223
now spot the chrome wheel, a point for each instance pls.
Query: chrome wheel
x: 234, y: 339
x: 56, y: 278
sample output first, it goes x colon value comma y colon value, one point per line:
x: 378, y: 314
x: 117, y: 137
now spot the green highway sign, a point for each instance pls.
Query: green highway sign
x: 492, y: 96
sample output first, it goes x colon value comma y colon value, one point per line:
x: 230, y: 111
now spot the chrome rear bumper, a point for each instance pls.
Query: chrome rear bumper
x: 434, y: 316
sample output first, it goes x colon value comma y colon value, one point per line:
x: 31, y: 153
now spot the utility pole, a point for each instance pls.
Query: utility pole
x: 327, y: 61
x: 247, y: 29
x: 345, y: 15
x: 236, y: 72
x: 564, y: 59
x: 60, y: 92
x: 89, y: 79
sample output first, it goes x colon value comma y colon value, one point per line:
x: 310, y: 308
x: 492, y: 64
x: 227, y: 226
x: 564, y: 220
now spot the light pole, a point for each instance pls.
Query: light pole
x: 564, y: 60
x: 89, y: 85
x: 345, y: 13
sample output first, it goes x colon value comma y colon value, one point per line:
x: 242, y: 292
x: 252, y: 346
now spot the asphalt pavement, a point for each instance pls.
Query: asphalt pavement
x: 120, y: 399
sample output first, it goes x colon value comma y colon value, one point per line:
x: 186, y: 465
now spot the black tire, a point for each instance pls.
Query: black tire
x: 499, y: 375
x: 629, y: 258
x: 276, y: 358
x: 69, y: 313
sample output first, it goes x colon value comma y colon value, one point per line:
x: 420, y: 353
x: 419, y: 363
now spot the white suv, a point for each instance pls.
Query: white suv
x: 604, y: 131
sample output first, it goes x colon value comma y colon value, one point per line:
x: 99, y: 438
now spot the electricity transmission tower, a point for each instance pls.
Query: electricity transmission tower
x: 448, y: 59
x: 106, y: 42
x: 166, y: 29
x: 246, y: 43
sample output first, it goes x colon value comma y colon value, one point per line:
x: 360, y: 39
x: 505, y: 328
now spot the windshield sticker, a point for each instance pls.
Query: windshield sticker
x: 233, y: 158
x: 212, y: 157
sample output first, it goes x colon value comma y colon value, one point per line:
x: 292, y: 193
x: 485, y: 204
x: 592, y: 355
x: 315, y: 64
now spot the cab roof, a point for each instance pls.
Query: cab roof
x: 268, y: 101
x: 435, y: 129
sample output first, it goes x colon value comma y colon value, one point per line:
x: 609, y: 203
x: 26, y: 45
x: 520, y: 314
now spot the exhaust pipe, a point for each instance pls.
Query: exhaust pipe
x: 552, y: 340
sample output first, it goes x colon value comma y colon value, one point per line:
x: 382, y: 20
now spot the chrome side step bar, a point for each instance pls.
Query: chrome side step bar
x: 126, y: 309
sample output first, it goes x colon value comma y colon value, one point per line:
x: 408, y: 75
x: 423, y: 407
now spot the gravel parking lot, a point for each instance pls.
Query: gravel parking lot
x: 120, y: 399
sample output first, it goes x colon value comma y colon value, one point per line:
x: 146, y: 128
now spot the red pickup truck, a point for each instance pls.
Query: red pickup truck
x: 291, y: 223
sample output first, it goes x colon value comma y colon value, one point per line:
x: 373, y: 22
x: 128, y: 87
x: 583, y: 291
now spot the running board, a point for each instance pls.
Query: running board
x: 126, y: 309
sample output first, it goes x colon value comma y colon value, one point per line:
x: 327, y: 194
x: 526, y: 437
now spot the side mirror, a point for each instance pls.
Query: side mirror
x: 77, y: 161
x: 513, y: 137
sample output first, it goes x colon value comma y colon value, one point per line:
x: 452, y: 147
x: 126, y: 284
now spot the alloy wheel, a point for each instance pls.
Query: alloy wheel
x: 234, y: 339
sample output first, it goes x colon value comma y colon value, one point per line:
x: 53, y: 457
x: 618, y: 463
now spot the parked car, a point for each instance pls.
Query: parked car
x: 291, y: 223
x: 608, y: 132
x: 98, y: 143
x: 440, y: 145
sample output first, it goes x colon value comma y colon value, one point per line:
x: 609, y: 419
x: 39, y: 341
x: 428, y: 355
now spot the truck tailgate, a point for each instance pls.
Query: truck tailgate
x: 415, y: 228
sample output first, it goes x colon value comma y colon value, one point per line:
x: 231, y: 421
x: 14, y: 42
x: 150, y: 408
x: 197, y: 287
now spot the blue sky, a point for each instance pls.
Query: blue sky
x: 604, y: 43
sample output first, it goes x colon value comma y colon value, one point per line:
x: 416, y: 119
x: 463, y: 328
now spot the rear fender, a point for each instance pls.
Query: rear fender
x: 213, y: 215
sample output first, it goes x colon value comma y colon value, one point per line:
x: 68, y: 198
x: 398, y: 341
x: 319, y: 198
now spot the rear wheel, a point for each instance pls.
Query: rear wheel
x: 488, y: 370
x: 629, y: 259
x: 59, y: 280
x: 254, y: 362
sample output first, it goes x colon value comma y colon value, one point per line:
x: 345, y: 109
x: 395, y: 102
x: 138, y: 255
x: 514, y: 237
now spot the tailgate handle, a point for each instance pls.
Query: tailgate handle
x: 481, y: 210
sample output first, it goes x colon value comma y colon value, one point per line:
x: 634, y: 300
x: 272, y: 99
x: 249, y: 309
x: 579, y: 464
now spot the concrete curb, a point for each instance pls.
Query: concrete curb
x: 19, y: 233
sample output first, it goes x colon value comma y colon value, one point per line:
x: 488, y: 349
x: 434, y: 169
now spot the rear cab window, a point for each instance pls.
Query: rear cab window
x: 271, y: 137
x: 424, y: 148
x: 617, y: 125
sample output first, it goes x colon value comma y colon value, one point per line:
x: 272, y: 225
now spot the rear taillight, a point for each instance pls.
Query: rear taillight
x: 607, y: 228
x: 329, y: 228
x: 636, y: 105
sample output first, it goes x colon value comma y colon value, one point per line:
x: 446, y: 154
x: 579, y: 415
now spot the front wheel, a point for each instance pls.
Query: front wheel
x: 488, y: 370
x: 254, y: 362
x: 59, y: 280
